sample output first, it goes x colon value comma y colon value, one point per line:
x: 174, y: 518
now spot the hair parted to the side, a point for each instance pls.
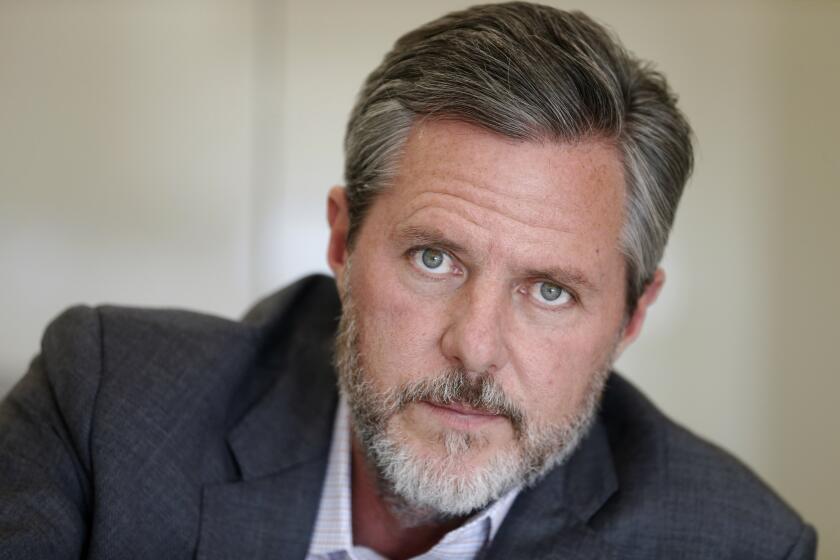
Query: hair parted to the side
x: 529, y: 72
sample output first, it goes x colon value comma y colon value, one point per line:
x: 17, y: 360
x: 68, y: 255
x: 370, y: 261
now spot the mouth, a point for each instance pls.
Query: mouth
x: 460, y: 415
x: 462, y: 408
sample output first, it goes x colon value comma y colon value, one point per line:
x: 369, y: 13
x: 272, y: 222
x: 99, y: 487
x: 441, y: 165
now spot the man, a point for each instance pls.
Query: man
x: 512, y: 175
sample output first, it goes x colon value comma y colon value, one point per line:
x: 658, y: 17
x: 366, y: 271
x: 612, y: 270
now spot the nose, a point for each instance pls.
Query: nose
x: 474, y: 337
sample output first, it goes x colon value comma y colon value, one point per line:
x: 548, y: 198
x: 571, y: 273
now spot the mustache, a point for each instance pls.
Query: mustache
x: 456, y: 386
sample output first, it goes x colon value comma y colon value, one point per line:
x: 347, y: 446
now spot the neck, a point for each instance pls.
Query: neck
x: 377, y: 526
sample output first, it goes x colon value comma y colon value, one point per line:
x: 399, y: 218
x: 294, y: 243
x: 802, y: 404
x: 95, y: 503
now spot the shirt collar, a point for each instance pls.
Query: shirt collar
x: 334, y: 527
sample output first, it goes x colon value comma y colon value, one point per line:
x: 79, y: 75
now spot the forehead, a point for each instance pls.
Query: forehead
x: 509, y: 194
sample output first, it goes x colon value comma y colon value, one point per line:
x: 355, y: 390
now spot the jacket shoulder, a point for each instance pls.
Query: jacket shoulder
x: 119, y: 348
x: 682, y: 496
x: 164, y: 360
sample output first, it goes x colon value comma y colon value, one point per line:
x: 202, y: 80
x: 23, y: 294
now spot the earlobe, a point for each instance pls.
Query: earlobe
x: 634, y: 324
x: 338, y: 217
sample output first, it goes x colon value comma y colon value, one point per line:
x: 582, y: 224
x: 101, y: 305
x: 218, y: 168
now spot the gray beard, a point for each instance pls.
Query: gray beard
x: 434, y: 487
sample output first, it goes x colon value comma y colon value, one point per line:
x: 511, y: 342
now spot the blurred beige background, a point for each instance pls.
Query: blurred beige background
x: 178, y: 154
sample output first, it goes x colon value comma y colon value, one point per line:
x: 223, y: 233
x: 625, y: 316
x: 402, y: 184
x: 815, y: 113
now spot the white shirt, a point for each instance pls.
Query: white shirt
x: 332, y: 538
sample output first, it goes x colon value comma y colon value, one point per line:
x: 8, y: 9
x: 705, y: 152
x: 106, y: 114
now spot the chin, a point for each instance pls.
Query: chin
x: 453, y: 475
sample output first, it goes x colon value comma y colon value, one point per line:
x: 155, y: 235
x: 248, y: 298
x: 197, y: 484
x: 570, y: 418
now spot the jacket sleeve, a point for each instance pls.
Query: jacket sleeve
x: 805, y: 547
x: 45, y: 465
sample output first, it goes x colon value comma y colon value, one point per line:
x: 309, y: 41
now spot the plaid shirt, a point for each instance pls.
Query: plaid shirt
x: 332, y: 538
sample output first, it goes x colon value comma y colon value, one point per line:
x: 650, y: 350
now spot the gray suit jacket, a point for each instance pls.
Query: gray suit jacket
x: 167, y: 434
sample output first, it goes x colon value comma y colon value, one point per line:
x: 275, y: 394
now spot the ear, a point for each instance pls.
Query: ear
x: 634, y: 324
x: 338, y: 217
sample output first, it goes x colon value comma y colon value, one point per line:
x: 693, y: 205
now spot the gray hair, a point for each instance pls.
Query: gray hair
x: 529, y: 72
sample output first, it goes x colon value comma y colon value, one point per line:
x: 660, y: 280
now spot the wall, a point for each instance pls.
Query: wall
x: 181, y: 155
x: 125, y: 160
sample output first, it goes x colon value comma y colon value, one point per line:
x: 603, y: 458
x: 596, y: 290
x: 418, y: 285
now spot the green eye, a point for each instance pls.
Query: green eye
x: 432, y: 258
x: 435, y: 262
x: 550, y: 292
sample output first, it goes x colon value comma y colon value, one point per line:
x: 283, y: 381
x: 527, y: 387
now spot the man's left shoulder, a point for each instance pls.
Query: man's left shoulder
x: 677, y: 488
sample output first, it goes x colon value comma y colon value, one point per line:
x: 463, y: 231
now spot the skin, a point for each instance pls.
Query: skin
x: 508, y: 216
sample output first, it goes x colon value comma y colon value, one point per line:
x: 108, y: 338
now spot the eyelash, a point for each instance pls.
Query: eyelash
x: 569, y: 295
x: 416, y: 253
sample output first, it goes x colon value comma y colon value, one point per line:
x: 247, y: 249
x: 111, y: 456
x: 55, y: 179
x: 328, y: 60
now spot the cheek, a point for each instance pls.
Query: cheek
x: 399, y: 330
x: 558, y: 369
x: 563, y: 362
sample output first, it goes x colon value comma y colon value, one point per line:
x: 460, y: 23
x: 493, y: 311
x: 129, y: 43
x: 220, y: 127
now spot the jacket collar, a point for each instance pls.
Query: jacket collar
x: 280, y: 445
x: 550, y: 519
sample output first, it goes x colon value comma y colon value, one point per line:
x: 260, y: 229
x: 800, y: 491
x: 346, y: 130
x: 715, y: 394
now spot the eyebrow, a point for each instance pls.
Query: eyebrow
x: 430, y: 236
x: 564, y: 276
x: 571, y: 277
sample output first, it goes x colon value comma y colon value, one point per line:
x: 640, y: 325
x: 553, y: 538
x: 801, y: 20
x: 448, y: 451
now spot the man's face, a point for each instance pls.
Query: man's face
x: 489, y: 270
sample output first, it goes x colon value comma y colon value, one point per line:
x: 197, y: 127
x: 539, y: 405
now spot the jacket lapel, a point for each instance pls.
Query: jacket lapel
x: 550, y: 519
x: 281, y: 445
x: 261, y: 519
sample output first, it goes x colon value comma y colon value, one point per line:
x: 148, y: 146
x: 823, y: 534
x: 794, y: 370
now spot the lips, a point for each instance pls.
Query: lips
x: 462, y: 408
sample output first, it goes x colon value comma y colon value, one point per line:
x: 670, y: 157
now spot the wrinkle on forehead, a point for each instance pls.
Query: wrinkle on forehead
x: 480, y: 223
x: 480, y: 206
x: 523, y: 187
